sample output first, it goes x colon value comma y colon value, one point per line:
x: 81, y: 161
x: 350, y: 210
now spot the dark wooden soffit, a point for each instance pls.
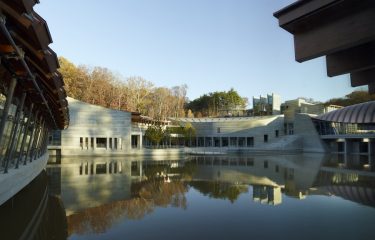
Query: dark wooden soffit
x: 31, y: 34
x: 341, y: 30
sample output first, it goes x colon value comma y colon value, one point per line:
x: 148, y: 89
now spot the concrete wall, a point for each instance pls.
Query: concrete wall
x: 16, y: 179
x: 311, y: 141
x: 255, y: 127
x: 90, y: 121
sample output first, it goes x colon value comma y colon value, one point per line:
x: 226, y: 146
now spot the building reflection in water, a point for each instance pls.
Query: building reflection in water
x: 98, y: 193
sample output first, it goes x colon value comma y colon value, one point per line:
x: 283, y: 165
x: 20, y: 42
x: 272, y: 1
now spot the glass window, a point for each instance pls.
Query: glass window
x: 233, y: 142
x: 250, y: 142
x: 101, y: 142
x: 241, y: 141
x: 224, y: 142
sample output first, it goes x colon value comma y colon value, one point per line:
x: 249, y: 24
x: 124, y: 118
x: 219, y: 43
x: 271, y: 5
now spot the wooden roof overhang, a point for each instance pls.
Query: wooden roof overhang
x: 341, y: 30
x: 31, y: 35
x: 136, y: 117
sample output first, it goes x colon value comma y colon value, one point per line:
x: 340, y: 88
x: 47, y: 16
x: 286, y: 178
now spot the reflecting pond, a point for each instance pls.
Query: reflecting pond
x: 303, y: 196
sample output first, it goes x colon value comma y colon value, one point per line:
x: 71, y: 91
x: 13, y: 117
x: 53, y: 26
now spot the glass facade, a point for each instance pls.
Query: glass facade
x: 24, y: 135
x: 334, y: 128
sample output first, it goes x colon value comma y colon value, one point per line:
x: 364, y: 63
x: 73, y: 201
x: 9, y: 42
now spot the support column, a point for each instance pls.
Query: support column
x: 38, y: 140
x: 26, y: 129
x: 21, y: 132
x: 32, y: 137
x: 14, y: 134
x: 140, y: 141
x: 42, y: 141
x: 369, y: 150
x: 7, y: 104
x: 107, y: 143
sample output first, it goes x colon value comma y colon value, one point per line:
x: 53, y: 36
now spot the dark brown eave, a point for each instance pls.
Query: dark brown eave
x: 31, y: 34
x: 341, y: 30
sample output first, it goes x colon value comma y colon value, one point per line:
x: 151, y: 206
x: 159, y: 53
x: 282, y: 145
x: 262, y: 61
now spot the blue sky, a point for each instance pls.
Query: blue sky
x: 210, y: 45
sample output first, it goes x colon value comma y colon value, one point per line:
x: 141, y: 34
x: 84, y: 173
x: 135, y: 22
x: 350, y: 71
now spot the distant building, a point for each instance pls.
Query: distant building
x: 268, y: 105
x: 292, y: 107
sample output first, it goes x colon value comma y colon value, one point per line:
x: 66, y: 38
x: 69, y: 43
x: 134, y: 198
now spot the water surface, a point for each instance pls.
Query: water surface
x: 306, y: 196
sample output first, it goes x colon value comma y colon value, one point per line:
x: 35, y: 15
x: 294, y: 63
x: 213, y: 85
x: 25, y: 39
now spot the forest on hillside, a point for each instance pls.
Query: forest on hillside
x: 100, y: 86
x: 354, y: 97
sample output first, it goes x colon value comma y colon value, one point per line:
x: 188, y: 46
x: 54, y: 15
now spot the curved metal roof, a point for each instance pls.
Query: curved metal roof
x: 358, y: 113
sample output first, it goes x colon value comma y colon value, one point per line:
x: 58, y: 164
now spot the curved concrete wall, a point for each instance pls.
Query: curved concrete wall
x: 16, y: 179
x: 255, y: 127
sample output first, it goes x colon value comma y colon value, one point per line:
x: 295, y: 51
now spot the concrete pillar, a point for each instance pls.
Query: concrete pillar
x: 372, y: 153
x: 369, y: 147
x: 107, y: 143
x: 94, y: 143
x: 140, y: 141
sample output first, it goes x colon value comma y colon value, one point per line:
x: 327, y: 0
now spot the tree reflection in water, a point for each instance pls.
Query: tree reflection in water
x: 148, y: 195
x: 167, y: 184
x: 219, y: 190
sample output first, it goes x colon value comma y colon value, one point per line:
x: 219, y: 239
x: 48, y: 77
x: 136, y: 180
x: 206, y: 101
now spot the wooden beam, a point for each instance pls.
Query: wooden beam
x: 366, y: 77
x: 333, y: 36
x: 371, y: 88
x: 351, y: 60
x: 299, y: 10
